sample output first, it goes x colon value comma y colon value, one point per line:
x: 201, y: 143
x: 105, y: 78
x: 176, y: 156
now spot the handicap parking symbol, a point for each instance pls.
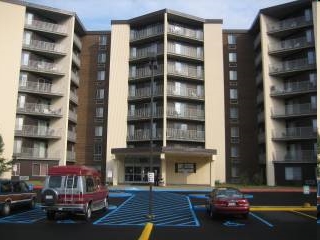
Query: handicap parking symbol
x: 233, y: 224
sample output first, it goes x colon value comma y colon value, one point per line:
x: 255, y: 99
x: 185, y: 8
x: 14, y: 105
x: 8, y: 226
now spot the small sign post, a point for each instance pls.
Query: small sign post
x: 306, y: 189
x: 151, y: 182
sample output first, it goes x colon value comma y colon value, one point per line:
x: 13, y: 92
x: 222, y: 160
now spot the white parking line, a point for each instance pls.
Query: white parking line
x: 261, y: 219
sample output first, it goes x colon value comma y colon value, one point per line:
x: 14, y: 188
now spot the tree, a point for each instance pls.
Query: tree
x: 4, y: 164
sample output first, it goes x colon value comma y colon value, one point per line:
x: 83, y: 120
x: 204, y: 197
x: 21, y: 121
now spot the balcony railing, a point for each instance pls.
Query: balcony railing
x: 77, y: 41
x: 46, y: 26
x: 187, y: 135
x: 185, y: 92
x: 144, y: 113
x: 145, y: 52
x: 76, y: 59
x: 71, y: 156
x: 294, y: 110
x: 73, y: 116
x: 35, y: 131
x: 185, y: 70
x: 43, y: 109
x: 144, y: 135
x: 144, y: 92
x: 74, y: 97
x: 42, y: 66
x: 293, y: 65
x: 36, y: 153
x: 187, y: 113
x: 185, y: 32
x: 287, y: 24
x: 149, y: 31
x: 72, y: 135
x: 290, y: 44
x: 44, y: 46
x: 145, y: 72
x: 75, y: 78
x: 39, y: 87
x: 294, y: 87
x: 191, y: 52
x: 296, y: 156
x: 295, y: 133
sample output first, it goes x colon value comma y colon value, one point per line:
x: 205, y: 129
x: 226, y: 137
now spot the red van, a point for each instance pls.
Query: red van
x: 75, y: 189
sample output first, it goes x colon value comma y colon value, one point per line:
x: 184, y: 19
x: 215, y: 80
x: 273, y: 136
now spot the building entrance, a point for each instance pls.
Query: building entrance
x: 136, y: 169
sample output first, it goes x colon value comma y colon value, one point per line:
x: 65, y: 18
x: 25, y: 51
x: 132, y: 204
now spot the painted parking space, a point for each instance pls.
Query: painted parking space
x: 27, y: 217
x: 168, y: 209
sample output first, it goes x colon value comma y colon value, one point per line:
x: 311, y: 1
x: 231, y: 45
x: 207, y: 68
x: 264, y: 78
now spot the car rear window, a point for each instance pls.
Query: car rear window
x: 55, y: 181
x: 229, y: 193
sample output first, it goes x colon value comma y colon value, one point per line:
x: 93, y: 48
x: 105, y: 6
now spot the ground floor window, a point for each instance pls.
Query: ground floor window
x: 39, y: 169
x: 185, y: 168
x: 293, y: 173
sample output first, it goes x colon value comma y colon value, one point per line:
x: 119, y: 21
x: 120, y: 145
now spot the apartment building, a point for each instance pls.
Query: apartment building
x: 285, y: 46
x: 93, y: 96
x: 166, y: 100
x: 40, y: 65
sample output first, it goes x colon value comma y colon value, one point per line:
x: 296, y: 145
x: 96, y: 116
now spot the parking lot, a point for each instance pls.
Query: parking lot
x: 176, y: 216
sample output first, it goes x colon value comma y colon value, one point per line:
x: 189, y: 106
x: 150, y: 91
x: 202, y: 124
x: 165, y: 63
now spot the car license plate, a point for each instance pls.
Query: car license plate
x: 231, y: 204
x: 49, y: 197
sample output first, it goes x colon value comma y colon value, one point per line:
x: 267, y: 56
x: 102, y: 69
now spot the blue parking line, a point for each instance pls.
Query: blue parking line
x: 27, y: 217
x: 261, y: 219
x: 193, y: 214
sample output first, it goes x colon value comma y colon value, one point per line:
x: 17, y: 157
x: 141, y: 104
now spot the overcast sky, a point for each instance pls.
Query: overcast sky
x: 97, y: 14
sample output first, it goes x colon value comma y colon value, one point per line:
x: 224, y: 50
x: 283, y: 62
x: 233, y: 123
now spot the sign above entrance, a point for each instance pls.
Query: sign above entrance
x: 151, y: 177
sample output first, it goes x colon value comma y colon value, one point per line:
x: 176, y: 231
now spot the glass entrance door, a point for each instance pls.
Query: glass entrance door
x: 136, y: 170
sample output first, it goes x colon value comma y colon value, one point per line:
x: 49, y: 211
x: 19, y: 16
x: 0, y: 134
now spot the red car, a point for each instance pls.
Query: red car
x: 74, y: 189
x: 227, y: 201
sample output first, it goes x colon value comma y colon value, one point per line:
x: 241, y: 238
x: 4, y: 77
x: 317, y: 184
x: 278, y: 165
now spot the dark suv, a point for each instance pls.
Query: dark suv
x: 15, y: 193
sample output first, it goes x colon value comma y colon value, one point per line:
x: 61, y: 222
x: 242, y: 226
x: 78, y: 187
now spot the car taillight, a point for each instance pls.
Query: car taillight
x: 243, y: 202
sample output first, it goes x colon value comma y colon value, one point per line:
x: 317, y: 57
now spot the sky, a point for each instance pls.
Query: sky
x: 97, y: 14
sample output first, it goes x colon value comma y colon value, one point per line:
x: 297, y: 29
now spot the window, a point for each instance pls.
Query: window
x: 233, y: 93
x: 98, y: 131
x: 232, y: 57
x: 233, y: 75
x: 293, y: 173
x: 55, y: 181
x: 102, y: 58
x: 103, y: 40
x: 39, y: 169
x: 16, y: 169
x: 101, y: 75
x: 19, y: 123
x: 232, y: 39
x: 89, y: 184
x: 234, y: 151
x: 23, y: 79
x: 234, y: 171
x: 185, y: 168
x: 99, y: 112
x: 234, y: 113
x: 97, y: 152
x: 100, y: 94
x: 234, y: 131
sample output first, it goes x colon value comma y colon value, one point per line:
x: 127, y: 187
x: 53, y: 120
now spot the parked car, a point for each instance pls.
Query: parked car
x: 14, y: 194
x: 227, y: 201
x: 73, y: 189
x: 318, y: 198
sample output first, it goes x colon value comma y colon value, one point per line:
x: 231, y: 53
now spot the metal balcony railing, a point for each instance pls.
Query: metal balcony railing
x: 35, y: 153
x: 187, y: 135
x: 76, y: 59
x: 144, y: 113
x: 294, y: 110
x: 77, y: 41
x: 36, y: 131
x: 185, y: 32
x: 75, y: 78
x: 187, y: 113
x: 144, y: 72
x: 187, y: 51
x: 294, y: 87
x: 295, y: 133
x: 287, y: 24
x: 185, y: 92
x: 149, y: 31
x: 144, y: 135
x: 72, y: 135
x: 71, y: 156
x: 290, y: 44
x: 74, y: 97
x: 73, y: 116
x: 46, y: 26
x: 39, y: 87
x: 145, y: 52
x: 42, y: 66
x: 296, y: 156
x: 292, y: 65
x: 43, y: 109
x: 185, y: 70
x: 144, y: 92
x: 44, y: 46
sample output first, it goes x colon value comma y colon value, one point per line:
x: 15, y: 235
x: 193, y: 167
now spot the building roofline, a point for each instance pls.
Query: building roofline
x: 235, y: 30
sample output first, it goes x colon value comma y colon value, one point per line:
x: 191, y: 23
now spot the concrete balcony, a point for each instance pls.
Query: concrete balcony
x: 185, y: 135
x: 42, y: 66
x: 77, y: 41
x: 39, y: 109
x: 76, y: 59
x: 296, y: 156
x: 289, y: 45
x: 147, y: 32
x: 46, y: 27
x: 74, y: 97
x: 189, y: 93
x: 185, y: 32
x: 296, y: 133
x: 186, y: 51
x: 75, y: 78
x: 291, y: 66
x: 185, y: 71
x: 144, y: 72
x: 73, y: 116
x: 288, y: 24
x: 144, y: 135
x: 144, y: 113
x: 294, y: 110
x: 141, y: 93
x: 47, y: 47
x: 38, y: 132
x: 142, y: 53
x: 187, y: 113
x: 36, y: 154
x: 293, y: 88
x: 72, y: 136
x: 40, y: 88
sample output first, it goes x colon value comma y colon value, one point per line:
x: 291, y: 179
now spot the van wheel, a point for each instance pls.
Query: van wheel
x: 88, y: 213
x: 6, y: 209
x: 50, y: 215
x: 32, y: 203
